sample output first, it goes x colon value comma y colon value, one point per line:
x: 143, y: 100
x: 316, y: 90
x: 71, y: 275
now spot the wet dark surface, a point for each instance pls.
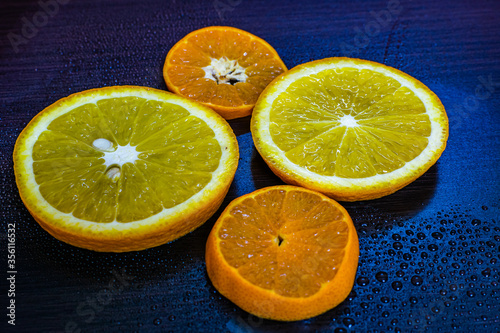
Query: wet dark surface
x: 429, y: 254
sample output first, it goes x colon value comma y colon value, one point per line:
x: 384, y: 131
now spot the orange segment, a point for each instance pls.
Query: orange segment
x: 201, y: 90
x: 246, y: 92
x: 226, y: 95
x: 222, y: 67
x: 182, y: 75
x: 190, y: 55
x: 283, y: 253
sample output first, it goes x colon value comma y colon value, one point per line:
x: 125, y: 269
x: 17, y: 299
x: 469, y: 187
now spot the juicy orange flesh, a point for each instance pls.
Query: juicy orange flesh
x: 185, y: 69
x: 311, y: 231
x: 308, y: 122
x: 177, y: 153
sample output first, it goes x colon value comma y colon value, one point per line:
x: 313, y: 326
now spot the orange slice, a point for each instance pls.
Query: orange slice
x: 283, y: 253
x: 352, y: 129
x: 222, y: 67
x: 124, y: 168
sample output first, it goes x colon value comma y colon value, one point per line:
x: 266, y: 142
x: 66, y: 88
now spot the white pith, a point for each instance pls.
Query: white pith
x: 275, y: 154
x: 115, y: 156
x: 223, y: 70
x: 348, y: 121
x: 63, y: 220
x: 122, y: 155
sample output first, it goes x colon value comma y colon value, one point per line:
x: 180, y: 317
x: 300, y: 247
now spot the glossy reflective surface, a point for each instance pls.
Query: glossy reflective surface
x: 428, y: 254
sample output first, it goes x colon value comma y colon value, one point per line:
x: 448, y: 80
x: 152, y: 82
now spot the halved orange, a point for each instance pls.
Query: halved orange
x: 224, y: 68
x: 283, y: 253
x: 124, y: 168
x: 352, y: 129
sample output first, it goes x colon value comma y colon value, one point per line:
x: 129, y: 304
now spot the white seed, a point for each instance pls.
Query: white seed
x: 103, y: 144
x: 114, y: 174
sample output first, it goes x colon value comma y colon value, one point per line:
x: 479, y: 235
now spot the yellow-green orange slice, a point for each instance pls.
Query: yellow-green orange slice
x: 352, y: 129
x: 124, y: 168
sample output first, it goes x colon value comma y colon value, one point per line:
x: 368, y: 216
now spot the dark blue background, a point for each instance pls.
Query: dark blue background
x: 437, y: 240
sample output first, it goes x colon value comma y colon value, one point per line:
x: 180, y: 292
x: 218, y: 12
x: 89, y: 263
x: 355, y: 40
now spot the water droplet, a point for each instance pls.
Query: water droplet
x: 484, y: 207
x: 154, y: 307
x: 382, y: 277
x: 416, y: 280
x: 171, y: 317
x: 397, y: 246
x: 363, y: 281
x: 421, y: 236
x: 432, y: 247
x: 349, y: 322
x: 476, y: 222
x: 486, y: 272
x: 470, y: 293
x: 157, y: 321
x: 413, y: 300
x: 396, y: 237
x: 437, y: 235
x: 397, y: 285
